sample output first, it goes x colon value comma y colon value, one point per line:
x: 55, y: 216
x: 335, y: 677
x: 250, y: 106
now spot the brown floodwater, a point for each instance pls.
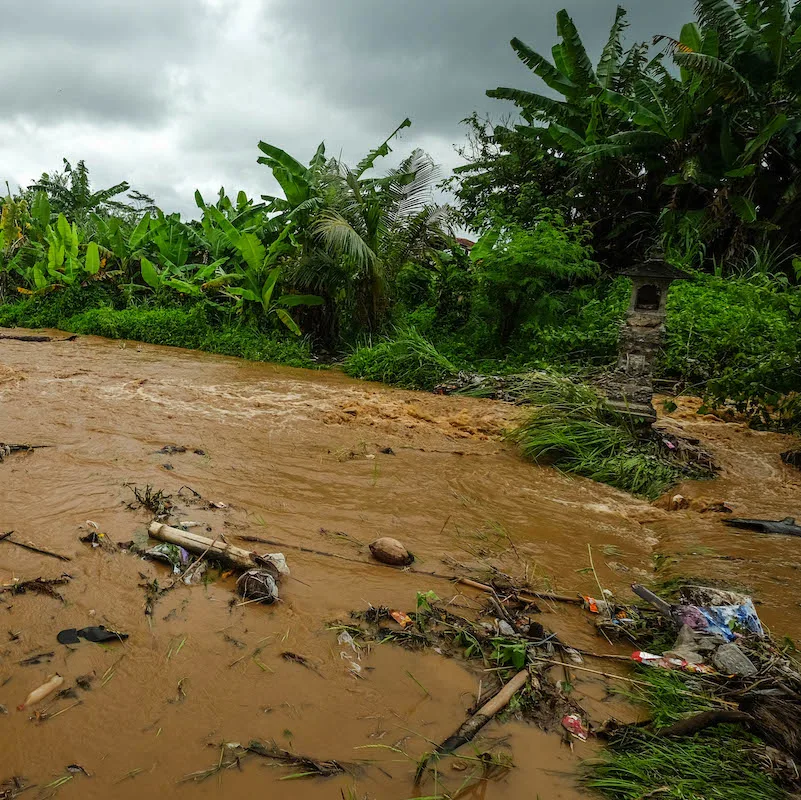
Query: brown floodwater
x: 291, y: 452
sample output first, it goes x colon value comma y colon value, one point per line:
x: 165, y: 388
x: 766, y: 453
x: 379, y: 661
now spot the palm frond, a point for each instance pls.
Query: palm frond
x: 337, y: 235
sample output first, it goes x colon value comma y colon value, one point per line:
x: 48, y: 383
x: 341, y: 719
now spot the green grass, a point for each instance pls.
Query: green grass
x: 714, y: 765
x: 573, y: 430
x: 408, y: 360
x: 191, y: 327
x: 717, y: 764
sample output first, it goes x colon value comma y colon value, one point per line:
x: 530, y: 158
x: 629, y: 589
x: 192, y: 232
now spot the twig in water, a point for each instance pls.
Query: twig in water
x: 592, y: 567
x: 310, y: 765
x: 425, y: 691
x: 132, y: 774
x: 53, y: 716
x: 32, y: 548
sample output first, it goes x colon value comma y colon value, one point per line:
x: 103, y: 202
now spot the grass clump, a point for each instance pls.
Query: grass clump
x: 720, y: 763
x: 574, y: 430
x: 91, y: 312
x: 409, y: 360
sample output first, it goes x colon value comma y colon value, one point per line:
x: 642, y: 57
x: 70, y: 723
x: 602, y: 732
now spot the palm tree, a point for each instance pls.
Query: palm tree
x: 70, y: 193
x: 355, y: 232
x: 376, y: 225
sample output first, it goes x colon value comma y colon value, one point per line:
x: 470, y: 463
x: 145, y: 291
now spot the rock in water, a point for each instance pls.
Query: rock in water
x: 391, y: 551
x: 793, y: 458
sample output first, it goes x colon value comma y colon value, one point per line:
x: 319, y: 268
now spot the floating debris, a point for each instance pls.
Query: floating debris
x: 39, y: 694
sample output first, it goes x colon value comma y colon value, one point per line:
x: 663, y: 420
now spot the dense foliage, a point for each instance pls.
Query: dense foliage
x: 688, y: 147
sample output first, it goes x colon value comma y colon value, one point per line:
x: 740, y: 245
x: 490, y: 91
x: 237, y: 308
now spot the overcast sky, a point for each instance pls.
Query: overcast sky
x: 174, y: 95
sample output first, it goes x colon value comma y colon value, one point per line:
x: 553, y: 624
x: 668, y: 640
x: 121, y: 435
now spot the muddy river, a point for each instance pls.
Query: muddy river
x: 296, y: 456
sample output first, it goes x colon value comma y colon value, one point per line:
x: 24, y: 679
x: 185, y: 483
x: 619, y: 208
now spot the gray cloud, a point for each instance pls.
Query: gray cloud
x: 175, y: 94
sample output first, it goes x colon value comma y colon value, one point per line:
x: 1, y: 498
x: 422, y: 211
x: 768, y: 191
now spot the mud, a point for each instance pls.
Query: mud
x: 291, y: 452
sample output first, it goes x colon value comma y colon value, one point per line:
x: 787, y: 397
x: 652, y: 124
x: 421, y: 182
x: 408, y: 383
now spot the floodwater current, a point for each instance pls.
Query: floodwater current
x: 296, y: 456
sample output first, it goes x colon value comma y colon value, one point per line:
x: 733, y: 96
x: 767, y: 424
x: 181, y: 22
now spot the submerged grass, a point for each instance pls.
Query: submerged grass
x: 409, y: 360
x: 720, y: 763
x: 574, y: 430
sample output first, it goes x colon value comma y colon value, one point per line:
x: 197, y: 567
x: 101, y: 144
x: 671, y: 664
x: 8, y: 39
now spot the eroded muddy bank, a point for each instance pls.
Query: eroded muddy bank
x: 291, y: 452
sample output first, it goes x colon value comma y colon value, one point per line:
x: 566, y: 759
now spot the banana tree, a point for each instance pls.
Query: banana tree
x: 256, y: 276
x: 64, y: 259
x: 70, y: 193
x: 245, y: 216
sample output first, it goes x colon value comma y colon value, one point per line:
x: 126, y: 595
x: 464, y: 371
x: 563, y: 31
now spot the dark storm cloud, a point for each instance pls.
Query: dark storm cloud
x: 175, y: 94
x: 434, y: 60
x: 96, y: 59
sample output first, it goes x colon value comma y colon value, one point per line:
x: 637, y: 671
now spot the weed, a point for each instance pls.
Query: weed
x: 408, y: 360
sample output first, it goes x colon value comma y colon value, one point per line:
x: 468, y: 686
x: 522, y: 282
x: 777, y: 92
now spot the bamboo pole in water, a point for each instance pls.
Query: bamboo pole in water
x: 201, y: 545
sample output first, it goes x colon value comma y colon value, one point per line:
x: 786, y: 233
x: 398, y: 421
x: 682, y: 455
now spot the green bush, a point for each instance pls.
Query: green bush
x: 518, y: 267
x: 53, y: 309
x: 168, y: 326
x: 738, y: 339
x: 409, y: 360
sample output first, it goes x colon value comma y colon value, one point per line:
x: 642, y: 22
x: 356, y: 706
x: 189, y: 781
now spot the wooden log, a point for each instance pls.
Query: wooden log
x: 706, y: 719
x: 200, y: 545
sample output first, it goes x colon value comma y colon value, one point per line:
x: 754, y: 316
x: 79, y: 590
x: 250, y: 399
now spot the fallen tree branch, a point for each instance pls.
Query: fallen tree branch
x: 535, y: 596
x: 310, y: 766
x: 472, y: 726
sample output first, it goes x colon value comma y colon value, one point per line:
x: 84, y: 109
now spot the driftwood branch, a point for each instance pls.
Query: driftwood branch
x: 530, y: 597
x: 474, y: 724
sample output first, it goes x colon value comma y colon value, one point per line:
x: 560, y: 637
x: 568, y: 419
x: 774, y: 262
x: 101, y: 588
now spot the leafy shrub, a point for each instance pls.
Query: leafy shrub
x: 409, y: 360
x: 739, y: 338
x: 517, y: 267
x: 582, y: 324
x: 53, y: 309
x: 168, y: 326
x: 192, y: 326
